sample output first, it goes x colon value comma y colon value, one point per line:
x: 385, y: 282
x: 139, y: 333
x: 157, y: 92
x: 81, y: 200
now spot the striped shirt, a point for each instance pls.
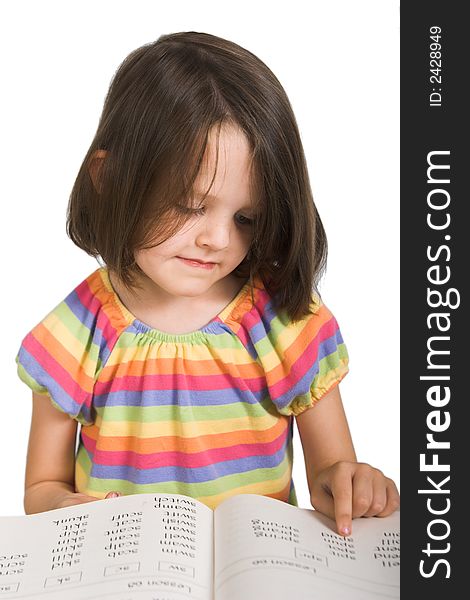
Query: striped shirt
x: 207, y: 414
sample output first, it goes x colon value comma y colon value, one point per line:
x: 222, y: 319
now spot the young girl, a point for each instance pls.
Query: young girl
x: 186, y: 355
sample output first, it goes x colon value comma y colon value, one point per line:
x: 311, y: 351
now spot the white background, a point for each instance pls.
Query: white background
x: 339, y: 64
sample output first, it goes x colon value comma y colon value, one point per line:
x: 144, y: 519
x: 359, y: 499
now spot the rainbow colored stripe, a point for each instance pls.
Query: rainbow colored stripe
x: 206, y: 414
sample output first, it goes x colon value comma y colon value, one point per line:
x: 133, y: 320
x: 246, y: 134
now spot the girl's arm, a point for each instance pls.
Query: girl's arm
x: 50, y: 462
x: 339, y: 486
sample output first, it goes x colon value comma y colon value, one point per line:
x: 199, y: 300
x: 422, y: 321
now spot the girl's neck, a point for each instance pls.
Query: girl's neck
x: 175, y: 314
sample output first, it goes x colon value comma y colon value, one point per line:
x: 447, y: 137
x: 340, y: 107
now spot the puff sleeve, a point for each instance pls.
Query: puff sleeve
x: 302, y: 361
x: 61, y: 356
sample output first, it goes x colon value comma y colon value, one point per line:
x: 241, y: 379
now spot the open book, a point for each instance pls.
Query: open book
x: 172, y: 547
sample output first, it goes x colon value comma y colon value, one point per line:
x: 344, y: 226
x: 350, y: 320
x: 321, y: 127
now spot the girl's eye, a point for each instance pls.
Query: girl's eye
x: 242, y: 220
x: 198, y: 211
x: 188, y: 210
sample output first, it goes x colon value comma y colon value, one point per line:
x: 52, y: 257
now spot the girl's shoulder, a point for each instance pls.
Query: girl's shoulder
x: 88, y: 316
x: 92, y: 302
x: 301, y: 360
x: 257, y: 308
x: 96, y: 297
x: 268, y: 332
x: 64, y: 352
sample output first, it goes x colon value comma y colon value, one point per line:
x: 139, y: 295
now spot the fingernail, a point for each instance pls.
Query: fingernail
x: 345, y: 530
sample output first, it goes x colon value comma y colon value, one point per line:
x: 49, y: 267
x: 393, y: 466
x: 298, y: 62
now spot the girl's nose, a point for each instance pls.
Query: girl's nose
x: 215, y: 234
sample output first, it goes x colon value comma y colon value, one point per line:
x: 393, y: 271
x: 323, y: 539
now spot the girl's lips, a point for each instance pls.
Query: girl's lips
x: 196, y: 263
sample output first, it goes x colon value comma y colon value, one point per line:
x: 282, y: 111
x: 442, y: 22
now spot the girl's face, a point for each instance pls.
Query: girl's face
x: 218, y: 233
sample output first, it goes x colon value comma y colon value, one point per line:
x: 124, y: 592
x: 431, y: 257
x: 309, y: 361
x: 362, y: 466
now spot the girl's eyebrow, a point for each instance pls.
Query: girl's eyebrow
x: 201, y: 196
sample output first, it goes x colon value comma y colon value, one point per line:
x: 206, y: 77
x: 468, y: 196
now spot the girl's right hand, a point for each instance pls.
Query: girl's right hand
x: 74, y: 498
x: 50, y: 464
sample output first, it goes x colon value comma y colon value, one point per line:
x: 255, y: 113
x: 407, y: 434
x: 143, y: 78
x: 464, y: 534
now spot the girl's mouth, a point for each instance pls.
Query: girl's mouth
x: 191, y: 262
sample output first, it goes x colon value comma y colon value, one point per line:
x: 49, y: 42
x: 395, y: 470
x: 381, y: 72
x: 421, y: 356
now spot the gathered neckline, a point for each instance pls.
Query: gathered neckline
x: 164, y: 336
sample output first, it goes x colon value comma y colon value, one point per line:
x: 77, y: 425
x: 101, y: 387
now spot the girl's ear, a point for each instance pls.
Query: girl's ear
x: 94, y: 168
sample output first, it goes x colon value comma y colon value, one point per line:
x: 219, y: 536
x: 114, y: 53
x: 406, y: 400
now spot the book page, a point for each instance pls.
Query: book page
x: 145, y: 546
x: 267, y: 548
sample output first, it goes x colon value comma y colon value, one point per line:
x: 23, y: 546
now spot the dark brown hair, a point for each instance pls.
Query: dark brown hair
x: 162, y: 102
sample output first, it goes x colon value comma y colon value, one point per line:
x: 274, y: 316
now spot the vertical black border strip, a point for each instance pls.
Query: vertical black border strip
x: 432, y: 552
